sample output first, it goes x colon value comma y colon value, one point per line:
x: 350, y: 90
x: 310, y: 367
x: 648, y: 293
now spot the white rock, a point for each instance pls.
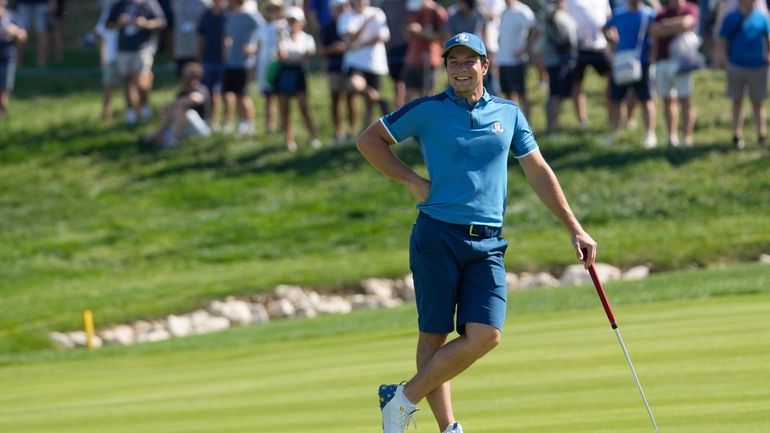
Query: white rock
x: 61, y: 340
x: 309, y: 313
x: 156, y: 334
x: 379, y: 287
x: 234, y: 310
x: 179, y: 326
x: 78, y: 338
x: 332, y: 305
x: 540, y: 279
x: 119, y: 334
x: 360, y: 301
x: 512, y: 281
x: 575, y: 275
x: 764, y: 258
x: 404, y: 288
x: 203, y: 322
x: 299, y: 298
x: 259, y: 314
x: 607, y: 272
x: 280, y: 308
x: 142, y: 327
x: 636, y: 273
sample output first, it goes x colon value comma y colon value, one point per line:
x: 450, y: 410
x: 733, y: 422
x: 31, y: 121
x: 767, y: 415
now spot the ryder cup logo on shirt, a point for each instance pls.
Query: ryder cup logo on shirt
x: 497, y: 128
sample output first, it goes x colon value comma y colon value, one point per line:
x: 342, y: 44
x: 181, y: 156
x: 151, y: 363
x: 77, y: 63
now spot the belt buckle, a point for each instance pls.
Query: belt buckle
x: 470, y: 231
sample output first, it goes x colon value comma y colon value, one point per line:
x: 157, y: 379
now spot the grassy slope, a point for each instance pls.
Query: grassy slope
x: 89, y: 218
x: 701, y: 361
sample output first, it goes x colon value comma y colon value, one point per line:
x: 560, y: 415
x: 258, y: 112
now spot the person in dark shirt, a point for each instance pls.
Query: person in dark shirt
x: 332, y: 48
x: 211, y: 36
x: 137, y: 22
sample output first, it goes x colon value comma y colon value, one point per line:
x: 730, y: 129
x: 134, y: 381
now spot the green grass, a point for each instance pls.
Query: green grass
x: 91, y: 218
x: 698, y: 339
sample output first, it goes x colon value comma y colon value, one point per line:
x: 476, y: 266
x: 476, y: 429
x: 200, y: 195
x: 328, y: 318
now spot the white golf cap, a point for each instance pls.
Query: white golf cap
x: 295, y: 13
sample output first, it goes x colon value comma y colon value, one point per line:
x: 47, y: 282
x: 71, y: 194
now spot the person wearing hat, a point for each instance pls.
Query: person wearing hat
x: 456, y: 249
x: 294, y: 50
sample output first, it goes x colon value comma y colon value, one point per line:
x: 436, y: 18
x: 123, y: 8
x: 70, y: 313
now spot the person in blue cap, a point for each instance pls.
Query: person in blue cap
x: 456, y: 249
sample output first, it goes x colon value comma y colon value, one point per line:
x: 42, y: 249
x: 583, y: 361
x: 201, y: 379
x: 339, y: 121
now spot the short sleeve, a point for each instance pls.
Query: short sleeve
x: 523, y: 142
x: 404, y: 122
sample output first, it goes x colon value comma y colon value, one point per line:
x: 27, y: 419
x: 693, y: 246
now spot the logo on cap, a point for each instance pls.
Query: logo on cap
x: 462, y: 37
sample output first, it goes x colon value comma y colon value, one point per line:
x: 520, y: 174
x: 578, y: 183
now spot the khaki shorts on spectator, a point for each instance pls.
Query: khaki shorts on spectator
x: 669, y: 82
x: 134, y: 62
x: 338, y: 81
x: 110, y: 76
x: 740, y: 79
x: 34, y: 16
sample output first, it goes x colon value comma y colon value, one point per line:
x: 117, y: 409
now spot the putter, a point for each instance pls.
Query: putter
x: 614, y: 324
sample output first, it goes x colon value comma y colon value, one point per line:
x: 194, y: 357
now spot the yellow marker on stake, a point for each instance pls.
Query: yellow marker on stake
x: 88, y: 320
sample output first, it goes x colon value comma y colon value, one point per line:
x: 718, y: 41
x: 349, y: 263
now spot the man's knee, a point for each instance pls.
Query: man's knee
x: 483, y: 337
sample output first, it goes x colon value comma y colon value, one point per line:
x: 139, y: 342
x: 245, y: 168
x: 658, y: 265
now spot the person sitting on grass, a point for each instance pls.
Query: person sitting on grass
x: 188, y: 114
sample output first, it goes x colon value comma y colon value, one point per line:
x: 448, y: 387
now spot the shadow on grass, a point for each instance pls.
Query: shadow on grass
x: 582, y: 153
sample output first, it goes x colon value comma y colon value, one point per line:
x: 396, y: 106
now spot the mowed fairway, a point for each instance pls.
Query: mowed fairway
x: 703, y: 363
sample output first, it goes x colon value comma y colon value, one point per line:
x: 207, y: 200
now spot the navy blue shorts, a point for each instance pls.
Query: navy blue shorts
x: 513, y: 78
x: 641, y: 88
x: 457, y: 268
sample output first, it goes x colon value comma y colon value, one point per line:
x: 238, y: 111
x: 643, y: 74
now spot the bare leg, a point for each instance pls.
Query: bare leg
x: 760, y: 118
x: 648, y: 115
x: 303, y: 109
x: 452, y: 359
x: 107, y: 102
x: 737, y: 118
x: 439, y: 399
x: 672, y: 119
x: 688, y: 118
x: 336, y: 110
x: 283, y: 109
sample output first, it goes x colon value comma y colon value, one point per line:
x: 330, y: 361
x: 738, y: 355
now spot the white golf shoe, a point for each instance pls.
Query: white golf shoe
x: 397, y: 411
x: 453, y: 428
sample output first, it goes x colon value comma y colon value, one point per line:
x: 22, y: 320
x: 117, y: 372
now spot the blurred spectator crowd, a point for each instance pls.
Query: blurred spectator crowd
x: 644, y: 52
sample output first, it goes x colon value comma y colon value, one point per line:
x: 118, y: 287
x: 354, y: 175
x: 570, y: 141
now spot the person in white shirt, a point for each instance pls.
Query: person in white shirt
x: 365, y: 30
x: 492, y: 9
x: 294, y: 50
x: 518, y: 33
x: 591, y: 16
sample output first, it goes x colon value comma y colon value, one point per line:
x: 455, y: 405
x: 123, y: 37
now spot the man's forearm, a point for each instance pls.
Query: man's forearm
x: 545, y: 184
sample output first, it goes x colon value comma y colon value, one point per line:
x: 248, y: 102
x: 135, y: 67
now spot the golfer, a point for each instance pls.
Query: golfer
x: 456, y: 249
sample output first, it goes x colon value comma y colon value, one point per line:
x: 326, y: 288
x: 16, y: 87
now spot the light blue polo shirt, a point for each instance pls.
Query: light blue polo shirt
x: 466, y: 151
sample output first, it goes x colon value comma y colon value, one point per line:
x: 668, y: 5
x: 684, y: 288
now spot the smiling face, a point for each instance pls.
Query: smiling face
x: 465, y: 72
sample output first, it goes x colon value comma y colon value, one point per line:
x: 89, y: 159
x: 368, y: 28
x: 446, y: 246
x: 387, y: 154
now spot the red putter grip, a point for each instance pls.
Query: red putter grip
x: 602, y: 294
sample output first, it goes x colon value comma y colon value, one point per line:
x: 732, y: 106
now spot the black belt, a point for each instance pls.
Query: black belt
x: 480, y: 231
x: 472, y: 230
